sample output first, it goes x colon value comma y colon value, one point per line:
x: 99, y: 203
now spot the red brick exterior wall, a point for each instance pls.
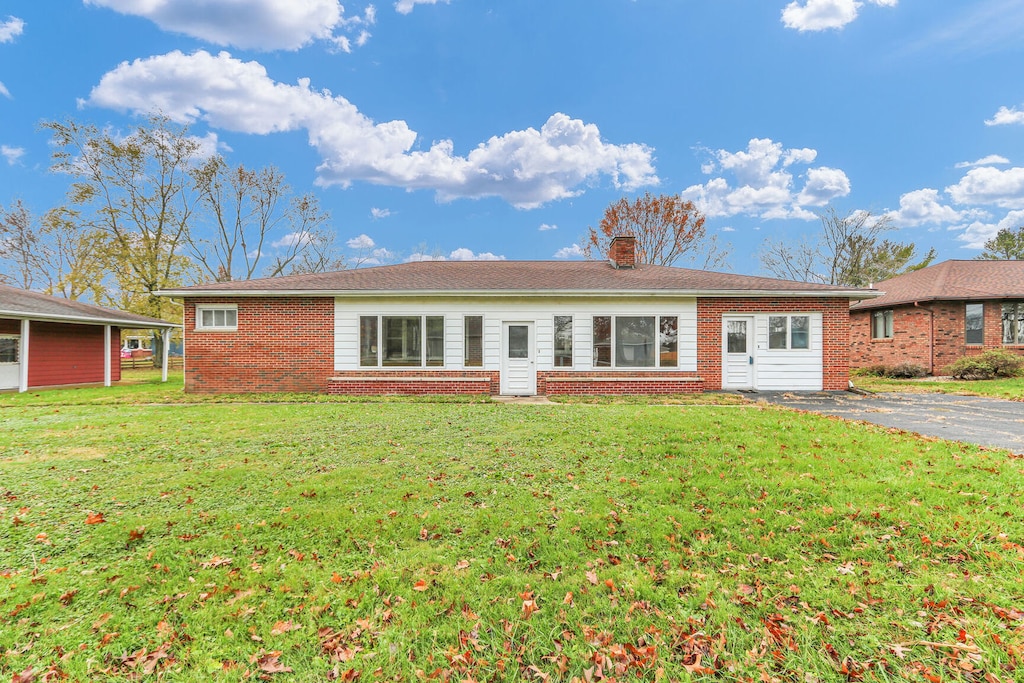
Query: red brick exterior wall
x: 62, y: 353
x: 281, y: 344
x: 835, y: 334
x: 930, y: 335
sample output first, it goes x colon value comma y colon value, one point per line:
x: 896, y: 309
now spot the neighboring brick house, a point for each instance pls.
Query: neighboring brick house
x: 933, y: 316
x: 516, y: 328
x: 48, y: 341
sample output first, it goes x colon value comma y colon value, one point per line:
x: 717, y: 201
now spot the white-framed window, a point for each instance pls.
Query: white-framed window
x: 1013, y: 322
x: 219, y: 317
x: 789, y: 332
x: 10, y: 345
x: 473, y: 341
x: 636, y: 341
x: 974, y: 323
x: 401, y: 341
x: 563, y: 341
x: 881, y: 324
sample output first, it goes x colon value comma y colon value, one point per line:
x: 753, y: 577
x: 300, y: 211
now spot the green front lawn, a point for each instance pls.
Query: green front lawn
x: 417, y: 541
x: 1012, y: 388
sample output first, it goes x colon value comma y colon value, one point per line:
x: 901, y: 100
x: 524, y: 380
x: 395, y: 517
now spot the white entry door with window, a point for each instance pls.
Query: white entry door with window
x: 737, y: 352
x: 518, y: 359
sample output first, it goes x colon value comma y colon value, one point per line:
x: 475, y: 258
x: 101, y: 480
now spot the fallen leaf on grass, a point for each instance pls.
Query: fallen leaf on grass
x: 269, y: 662
x: 283, y: 627
x: 420, y: 585
x: 95, y: 518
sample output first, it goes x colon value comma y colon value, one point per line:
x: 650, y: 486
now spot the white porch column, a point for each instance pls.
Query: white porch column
x: 106, y: 355
x: 166, y: 354
x: 23, y: 379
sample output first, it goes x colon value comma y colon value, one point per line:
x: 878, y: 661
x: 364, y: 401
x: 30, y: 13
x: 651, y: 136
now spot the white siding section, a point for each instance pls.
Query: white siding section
x: 788, y: 369
x: 541, y: 312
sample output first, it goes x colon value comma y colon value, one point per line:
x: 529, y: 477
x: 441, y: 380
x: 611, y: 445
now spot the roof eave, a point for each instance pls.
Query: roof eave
x: 619, y: 293
x: 53, y: 317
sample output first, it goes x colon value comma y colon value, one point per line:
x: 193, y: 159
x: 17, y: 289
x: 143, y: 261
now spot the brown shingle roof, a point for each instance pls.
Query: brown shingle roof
x: 517, y: 277
x: 951, y: 280
x: 22, y: 303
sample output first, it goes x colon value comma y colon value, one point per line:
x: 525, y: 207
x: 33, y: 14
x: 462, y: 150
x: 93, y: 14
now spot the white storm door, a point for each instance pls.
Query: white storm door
x: 10, y: 361
x: 518, y: 365
x: 737, y: 352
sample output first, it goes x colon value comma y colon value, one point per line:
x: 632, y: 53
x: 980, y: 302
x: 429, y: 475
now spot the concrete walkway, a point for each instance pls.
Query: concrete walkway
x: 971, y: 419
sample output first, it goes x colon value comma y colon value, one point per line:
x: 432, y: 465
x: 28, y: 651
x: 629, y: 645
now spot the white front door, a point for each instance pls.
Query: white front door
x: 10, y: 357
x: 737, y: 352
x: 518, y: 366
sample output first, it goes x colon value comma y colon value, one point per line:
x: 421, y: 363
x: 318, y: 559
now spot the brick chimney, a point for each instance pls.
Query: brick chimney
x: 622, y: 251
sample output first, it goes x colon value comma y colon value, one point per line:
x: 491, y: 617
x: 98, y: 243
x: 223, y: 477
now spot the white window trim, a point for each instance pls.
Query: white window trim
x: 789, y: 332
x: 17, y: 346
x: 423, y: 341
x: 215, y: 307
x: 614, y: 340
x: 572, y: 341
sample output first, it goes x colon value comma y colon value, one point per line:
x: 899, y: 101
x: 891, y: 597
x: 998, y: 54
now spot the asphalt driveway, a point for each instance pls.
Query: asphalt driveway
x: 972, y: 419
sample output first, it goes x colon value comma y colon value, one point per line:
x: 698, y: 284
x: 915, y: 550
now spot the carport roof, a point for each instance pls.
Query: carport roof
x: 24, y: 304
x: 951, y: 281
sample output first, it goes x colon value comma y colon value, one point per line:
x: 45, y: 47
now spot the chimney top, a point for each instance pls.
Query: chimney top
x: 622, y: 251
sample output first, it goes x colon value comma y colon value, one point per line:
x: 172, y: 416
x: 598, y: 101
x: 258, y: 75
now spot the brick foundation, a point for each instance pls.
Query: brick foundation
x: 581, y: 383
x: 414, y: 382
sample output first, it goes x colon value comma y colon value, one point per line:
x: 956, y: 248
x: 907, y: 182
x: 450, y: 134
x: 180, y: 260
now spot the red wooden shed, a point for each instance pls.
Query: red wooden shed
x: 48, y: 341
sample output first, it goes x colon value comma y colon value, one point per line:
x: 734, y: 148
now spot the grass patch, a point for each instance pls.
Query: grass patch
x: 705, y: 399
x: 501, y: 542
x: 1010, y: 388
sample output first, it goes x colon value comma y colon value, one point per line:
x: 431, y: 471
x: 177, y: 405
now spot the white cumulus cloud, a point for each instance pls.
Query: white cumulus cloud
x: 569, y: 252
x: 526, y: 168
x: 254, y: 24
x: 544, y: 227
x: 977, y: 233
x: 764, y: 183
x: 292, y: 239
x: 11, y: 154
x: 11, y: 29
x: 922, y: 207
x: 821, y: 15
x: 406, y: 6
x: 377, y: 214
x: 987, y: 185
x: 1006, y: 116
x: 464, y: 254
x: 363, y: 241
x: 990, y: 160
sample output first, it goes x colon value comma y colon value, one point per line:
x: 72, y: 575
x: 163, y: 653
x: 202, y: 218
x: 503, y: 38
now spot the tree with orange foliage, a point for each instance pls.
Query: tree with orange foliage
x: 666, y: 229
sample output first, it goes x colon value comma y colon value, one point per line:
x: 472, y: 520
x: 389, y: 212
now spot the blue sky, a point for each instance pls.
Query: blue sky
x: 476, y: 129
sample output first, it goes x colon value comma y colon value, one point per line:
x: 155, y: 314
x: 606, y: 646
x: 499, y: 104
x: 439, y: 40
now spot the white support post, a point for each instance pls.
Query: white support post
x: 106, y: 355
x: 23, y: 379
x: 166, y: 354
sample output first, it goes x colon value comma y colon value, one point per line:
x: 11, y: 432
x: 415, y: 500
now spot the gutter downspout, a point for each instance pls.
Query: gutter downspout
x: 931, y: 336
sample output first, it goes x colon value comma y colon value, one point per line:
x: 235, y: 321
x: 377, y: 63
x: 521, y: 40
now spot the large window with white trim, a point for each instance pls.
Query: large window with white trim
x: 220, y: 317
x: 404, y: 341
x: 636, y: 341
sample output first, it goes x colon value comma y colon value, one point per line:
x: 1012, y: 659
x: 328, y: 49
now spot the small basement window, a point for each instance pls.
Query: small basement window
x: 222, y: 317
